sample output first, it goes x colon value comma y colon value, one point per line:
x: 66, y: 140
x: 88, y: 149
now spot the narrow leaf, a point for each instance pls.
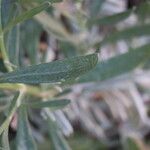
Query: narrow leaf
x: 95, y: 7
x: 54, y: 104
x: 5, y: 141
x: 27, y: 15
x: 24, y: 136
x: 59, y: 142
x: 38, y: 1
x: 57, y: 71
x: 118, y: 65
x: 112, y: 19
x: 135, y: 31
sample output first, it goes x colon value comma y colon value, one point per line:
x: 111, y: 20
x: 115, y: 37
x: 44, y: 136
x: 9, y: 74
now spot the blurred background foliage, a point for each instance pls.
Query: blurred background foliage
x: 110, y: 105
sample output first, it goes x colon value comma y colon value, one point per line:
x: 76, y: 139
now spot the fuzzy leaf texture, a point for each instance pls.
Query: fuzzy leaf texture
x: 57, y: 71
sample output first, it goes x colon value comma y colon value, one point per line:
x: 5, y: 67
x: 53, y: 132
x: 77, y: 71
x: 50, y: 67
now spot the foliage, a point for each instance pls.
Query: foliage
x: 33, y: 82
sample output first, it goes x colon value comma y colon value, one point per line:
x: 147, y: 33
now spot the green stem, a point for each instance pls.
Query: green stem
x: 30, y: 90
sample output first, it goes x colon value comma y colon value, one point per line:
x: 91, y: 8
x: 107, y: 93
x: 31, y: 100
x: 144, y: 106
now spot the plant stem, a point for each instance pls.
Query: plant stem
x: 31, y: 90
x: 5, y: 124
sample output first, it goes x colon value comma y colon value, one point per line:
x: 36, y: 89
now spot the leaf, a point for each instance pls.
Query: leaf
x: 57, y: 71
x: 135, y: 31
x: 7, y: 10
x: 5, y: 141
x: 27, y: 15
x: 58, y: 141
x: 110, y: 20
x: 38, y: 1
x: 30, y: 31
x: 24, y: 140
x: 13, y: 45
x: 54, y: 104
x: 95, y: 7
x: 118, y: 65
x: 142, y: 11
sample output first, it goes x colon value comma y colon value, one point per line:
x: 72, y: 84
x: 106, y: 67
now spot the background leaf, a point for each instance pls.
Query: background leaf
x: 57, y: 138
x: 118, y: 65
x: 27, y: 15
x: 128, y: 33
x: 53, y: 104
x: 24, y: 138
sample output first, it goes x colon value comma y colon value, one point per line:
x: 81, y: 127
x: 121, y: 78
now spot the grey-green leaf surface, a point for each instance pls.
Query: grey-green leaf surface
x: 53, y: 104
x: 58, y: 141
x: 27, y: 15
x: 5, y: 141
x: 30, y: 31
x: 110, y: 20
x: 95, y: 7
x: 24, y: 140
x: 142, y: 11
x: 13, y: 45
x: 57, y: 71
x: 128, y: 33
x: 118, y: 65
x: 38, y: 1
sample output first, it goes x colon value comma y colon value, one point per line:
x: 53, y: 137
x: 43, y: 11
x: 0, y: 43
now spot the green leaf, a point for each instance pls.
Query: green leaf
x: 7, y: 11
x: 27, y: 15
x: 58, y: 141
x: 57, y: 71
x: 142, y: 11
x: 118, y: 65
x: 5, y: 141
x: 95, y: 7
x: 135, y: 31
x: 53, y: 104
x: 24, y: 140
x: 110, y: 20
x: 13, y: 45
x: 38, y: 1
x: 30, y: 31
